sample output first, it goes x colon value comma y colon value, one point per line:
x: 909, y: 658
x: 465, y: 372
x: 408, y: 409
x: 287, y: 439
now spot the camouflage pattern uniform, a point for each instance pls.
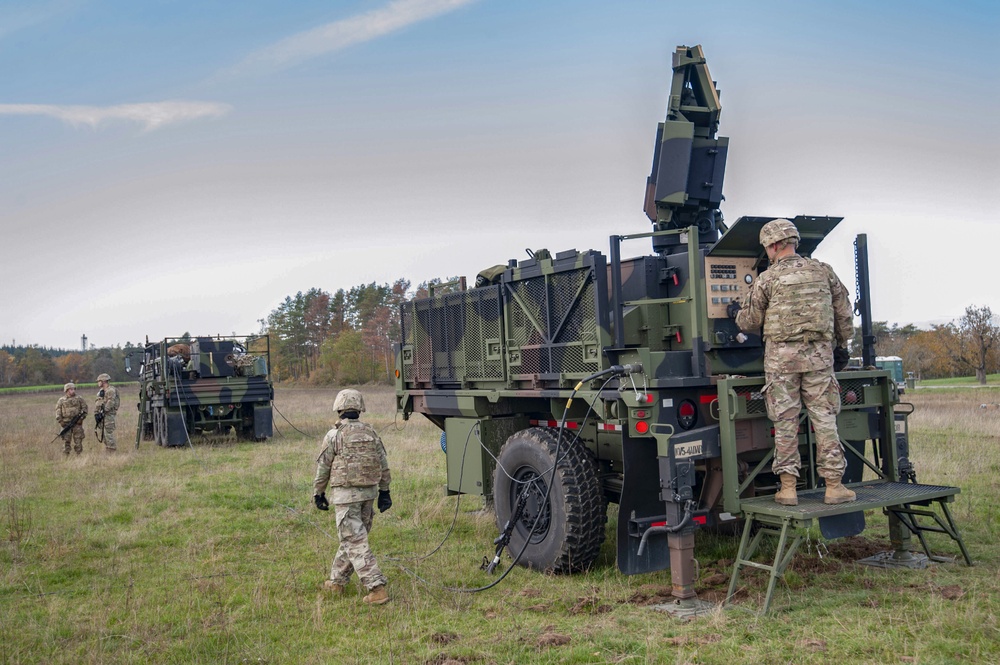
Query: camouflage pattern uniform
x: 803, y: 307
x: 110, y: 403
x: 354, y: 463
x: 68, y: 408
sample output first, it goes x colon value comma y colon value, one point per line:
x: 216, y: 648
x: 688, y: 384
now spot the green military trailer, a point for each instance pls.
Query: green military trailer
x: 571, y: 380
x: 203, y: 385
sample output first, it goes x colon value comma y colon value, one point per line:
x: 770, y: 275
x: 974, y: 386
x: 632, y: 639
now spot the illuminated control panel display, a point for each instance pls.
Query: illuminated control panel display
x: 727, y: 279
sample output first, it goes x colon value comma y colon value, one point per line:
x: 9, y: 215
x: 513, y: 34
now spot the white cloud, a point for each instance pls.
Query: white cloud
x: 151, y: 115
x: 340, y: 34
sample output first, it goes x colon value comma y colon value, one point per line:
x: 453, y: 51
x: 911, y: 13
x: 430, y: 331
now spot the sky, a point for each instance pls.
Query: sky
x: 173, y: 166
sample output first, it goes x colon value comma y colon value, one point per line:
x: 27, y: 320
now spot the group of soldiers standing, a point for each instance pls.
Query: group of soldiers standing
x: 71, y: 411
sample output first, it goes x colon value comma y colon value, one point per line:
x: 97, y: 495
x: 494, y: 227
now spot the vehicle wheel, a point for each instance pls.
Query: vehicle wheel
x: 148, y: 427
x: 571, y: 524
x: 161, y: 415
x: 157, y: 427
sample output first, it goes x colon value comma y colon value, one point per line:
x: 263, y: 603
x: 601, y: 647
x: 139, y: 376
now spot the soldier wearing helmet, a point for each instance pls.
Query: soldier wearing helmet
x: 354, y: 464
x: 71, y: 408
x: 805, y: 312
x: 105, y: 412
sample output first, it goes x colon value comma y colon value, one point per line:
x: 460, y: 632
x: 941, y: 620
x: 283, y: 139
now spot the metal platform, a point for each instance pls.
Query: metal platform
x: 903, y: 501
x: 874, y: 494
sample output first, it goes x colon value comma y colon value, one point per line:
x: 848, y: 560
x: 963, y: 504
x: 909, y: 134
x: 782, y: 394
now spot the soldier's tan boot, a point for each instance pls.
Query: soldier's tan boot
x: 333, y: 587
x: 786, y: 496
x: 378, y: 596
x: 837, y: 493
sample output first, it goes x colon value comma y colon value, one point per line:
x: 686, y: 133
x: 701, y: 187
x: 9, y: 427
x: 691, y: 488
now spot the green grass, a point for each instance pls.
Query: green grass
x: 965, y: 381
x: 215, y: 555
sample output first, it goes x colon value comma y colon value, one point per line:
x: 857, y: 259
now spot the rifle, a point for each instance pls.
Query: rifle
x: 99, y: 423
x: 69, y: 426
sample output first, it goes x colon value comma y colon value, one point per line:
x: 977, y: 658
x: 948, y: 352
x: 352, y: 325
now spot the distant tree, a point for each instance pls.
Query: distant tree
x: 36, y: 368
x: 8, y: 369
x: 889, y: 340
x: 74, y: 367
x: 978, y: 336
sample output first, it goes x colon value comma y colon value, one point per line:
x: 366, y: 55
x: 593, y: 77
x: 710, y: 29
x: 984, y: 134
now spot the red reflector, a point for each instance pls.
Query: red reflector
x: 572, y: 425
x: 686, y: 409
x: 640, y: 414
x: 678, y: 336
x: 700, y: 519
x: 708, y: 399
x: 642, y: 427
x: 664, y: 523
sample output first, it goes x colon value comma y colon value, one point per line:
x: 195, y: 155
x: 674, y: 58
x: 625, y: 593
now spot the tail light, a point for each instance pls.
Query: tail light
x: 687, y: 414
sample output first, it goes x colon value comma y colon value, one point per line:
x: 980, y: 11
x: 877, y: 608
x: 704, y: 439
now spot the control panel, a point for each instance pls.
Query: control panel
x: 727, y: 279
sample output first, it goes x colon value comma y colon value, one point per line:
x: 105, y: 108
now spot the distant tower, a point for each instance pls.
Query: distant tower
x: 83, y: 342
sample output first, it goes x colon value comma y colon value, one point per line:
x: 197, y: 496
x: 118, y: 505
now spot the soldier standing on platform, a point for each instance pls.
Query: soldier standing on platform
x: 805, y: 312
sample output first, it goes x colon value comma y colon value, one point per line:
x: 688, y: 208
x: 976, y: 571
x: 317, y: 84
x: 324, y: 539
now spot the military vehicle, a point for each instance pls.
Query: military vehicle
x: 570, y: 380
x: 203, y: 384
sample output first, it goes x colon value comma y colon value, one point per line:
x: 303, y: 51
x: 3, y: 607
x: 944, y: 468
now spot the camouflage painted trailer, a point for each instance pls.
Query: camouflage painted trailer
x: 571, y: 380
x: 198, y: 385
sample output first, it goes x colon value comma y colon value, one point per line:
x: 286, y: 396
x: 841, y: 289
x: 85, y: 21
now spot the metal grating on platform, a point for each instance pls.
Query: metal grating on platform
x: 870, y: 495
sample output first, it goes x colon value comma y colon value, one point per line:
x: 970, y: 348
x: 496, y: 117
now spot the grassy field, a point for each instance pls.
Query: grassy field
x: 215, y: 554
x: 992, y: 380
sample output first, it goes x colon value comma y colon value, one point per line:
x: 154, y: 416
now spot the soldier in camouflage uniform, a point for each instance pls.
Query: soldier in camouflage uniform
x: 353, y: 462
x: 71, y: 407
x: 105, y: 412
x: 804, y: 309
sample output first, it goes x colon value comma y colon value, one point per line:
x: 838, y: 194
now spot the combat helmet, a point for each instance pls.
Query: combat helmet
x: 349, y: 399
x: 777, y: 230
x: 68, y: 386
x: 104, y: 377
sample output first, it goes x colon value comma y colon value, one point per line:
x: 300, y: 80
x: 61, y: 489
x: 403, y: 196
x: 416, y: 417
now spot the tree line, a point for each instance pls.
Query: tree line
x: 40, y: 366
x: 346, y: 338
x: 341, y: 338
x: 969, y: 346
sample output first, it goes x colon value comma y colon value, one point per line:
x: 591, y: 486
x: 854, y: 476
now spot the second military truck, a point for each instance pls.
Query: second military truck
x: 204, y: 384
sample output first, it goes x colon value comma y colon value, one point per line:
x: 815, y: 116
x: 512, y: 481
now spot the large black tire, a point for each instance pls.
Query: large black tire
x: 571, y: 528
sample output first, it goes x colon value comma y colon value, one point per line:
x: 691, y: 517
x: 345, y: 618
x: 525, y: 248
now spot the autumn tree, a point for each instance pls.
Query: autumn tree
x: 978, y: 333
x: 8, y: 368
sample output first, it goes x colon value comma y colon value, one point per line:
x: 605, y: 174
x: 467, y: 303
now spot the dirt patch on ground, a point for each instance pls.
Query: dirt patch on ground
x: 650, y: 594
x: 442, y: 659
x: 857, y: 547
x: 590, y: 605
x: 443, y: 638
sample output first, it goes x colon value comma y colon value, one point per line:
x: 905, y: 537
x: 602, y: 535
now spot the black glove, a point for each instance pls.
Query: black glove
x: 320, y: 501
x: 840, y: 359
x: 732, y: 308
x: 384, y: 501
x: 98, y: 417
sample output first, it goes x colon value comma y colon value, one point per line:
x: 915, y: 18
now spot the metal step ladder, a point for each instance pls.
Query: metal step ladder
x: 765, y: 518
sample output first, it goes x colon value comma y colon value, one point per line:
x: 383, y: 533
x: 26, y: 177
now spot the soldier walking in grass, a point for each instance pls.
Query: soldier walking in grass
x: 71, y: 408
x: 804, y: 309
x: 354, y: 464
x: 105, y: 412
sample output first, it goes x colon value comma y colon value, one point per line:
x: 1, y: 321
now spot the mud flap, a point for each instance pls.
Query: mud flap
x: 842, y: 526
x: 176, y: 434
x: 263, y: 424
x: 640, y: 505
